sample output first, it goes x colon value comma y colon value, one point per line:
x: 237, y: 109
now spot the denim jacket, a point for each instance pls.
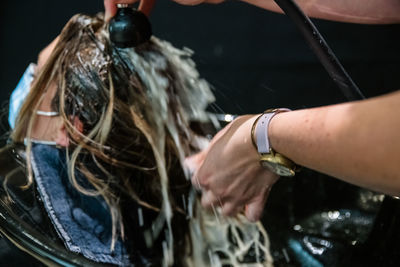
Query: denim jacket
x: 82, y: 222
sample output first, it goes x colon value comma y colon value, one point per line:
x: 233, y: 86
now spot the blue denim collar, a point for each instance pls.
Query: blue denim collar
x: 82, y: 222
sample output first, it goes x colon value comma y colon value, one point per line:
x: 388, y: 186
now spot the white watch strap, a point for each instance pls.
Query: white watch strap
x: 261, y: 131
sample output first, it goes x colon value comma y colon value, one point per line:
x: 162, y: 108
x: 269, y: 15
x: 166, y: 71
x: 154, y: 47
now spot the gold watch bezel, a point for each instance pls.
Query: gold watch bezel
x: 278, y: 164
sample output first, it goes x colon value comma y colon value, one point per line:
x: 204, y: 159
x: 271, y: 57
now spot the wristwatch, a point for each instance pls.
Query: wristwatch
x: 275, y: 162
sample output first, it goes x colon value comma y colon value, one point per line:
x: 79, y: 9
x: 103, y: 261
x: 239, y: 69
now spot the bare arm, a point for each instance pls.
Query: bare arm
x: 356, y: 11
x: 358, y: 142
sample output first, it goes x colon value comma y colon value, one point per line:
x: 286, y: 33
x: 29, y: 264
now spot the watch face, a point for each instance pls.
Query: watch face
x: 277, y: 168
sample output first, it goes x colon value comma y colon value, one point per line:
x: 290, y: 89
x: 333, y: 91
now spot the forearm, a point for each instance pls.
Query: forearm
x: 355, y: 11
x: 357, y: 142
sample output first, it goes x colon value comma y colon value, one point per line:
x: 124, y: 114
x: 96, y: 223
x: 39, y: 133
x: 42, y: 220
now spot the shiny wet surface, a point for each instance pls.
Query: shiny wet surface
x: 314, y: 220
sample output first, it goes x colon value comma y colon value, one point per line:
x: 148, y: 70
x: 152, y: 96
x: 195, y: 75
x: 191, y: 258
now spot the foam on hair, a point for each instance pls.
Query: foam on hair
x: 135, y: 106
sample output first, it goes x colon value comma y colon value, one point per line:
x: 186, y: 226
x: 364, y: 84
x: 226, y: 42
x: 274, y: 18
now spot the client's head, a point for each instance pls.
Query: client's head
x: 124, y: 115
x: 124, y: 118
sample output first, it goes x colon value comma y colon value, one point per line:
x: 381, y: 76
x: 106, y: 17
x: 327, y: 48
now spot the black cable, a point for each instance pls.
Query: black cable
x: 321, y: 49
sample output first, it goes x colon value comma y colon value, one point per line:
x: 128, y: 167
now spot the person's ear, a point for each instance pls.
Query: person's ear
x: 62, y: 137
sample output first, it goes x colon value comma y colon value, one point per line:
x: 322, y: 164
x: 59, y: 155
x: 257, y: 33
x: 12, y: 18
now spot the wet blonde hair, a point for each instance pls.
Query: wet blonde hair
x: 135, y: 106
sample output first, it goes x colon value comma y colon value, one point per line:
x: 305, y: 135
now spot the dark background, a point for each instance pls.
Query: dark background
x: 254, y: 59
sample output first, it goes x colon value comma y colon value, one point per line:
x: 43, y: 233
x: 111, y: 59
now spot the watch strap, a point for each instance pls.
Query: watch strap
x: 261, y: 130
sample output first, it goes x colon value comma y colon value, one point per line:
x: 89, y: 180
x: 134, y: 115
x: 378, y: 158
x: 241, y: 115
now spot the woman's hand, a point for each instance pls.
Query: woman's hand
x: 146, y: 5
x: 196, y: 2
x: 110, y: 6
x: 229, y: 172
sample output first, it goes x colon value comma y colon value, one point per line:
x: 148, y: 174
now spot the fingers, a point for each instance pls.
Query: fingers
x: 214, y: 1
x: 146, y: 6
x: 196, y: 2
x: 110, y: 6
x: 227, y: 178
x: 255, y: 209
x: 189, y: 2
x: 194, y: 162
x: 208, y: 199
x: 231, y: 209
x: 110, y: 9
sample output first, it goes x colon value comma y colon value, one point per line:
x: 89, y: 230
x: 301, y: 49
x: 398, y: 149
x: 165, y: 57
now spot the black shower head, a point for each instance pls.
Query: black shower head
x: 129, y: 28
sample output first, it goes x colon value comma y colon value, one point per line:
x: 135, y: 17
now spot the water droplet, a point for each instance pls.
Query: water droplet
x: 297, y: 227
x: 140, y: 217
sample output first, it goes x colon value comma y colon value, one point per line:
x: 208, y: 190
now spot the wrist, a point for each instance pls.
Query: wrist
x: 254, y: 121
x: 251, y: 142
x: 269, y: 158
x: 272, y: 132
